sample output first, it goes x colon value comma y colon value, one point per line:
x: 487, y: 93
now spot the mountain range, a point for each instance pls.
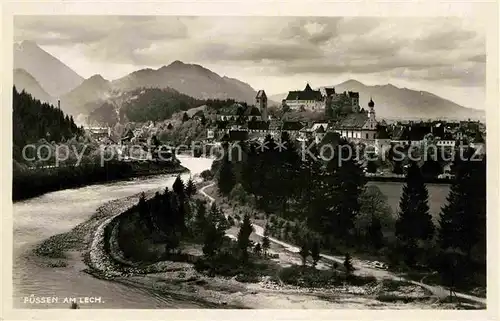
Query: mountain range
x: 24, y: 81
x: 53, y: 75
x: 392, y: 102
x: 46, y: 78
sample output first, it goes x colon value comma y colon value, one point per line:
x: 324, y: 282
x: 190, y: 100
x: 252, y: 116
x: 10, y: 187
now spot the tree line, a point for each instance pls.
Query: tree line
x: 33, y: 120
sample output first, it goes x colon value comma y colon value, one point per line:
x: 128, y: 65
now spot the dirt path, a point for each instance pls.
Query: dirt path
x: 361, y: 267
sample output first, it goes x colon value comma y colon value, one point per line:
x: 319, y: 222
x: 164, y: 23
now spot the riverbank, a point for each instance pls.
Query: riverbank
x: 28, y: 184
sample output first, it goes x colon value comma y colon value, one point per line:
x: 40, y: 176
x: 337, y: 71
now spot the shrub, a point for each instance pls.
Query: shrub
x: 206, y: 175
x: 309, y: 277
x: 247, y: 278
x: 359, y: 280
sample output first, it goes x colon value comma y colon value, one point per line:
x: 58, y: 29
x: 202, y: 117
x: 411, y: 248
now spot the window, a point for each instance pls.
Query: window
x: 366, y: 135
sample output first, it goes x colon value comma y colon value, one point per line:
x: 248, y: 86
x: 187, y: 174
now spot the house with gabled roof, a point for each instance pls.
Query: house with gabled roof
x: 252, y: 113
x: 292, y: 127
x: 319, y: 133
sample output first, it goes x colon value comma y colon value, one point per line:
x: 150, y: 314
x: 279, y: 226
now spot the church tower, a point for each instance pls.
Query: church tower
x: 371, y: 110
x: 372, y: 122
x: 261, y: 102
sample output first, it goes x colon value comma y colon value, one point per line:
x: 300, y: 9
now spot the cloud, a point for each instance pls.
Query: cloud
x: 443, y: 49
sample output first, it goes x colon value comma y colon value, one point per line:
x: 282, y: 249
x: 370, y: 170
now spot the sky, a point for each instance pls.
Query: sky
x: 442, y: 55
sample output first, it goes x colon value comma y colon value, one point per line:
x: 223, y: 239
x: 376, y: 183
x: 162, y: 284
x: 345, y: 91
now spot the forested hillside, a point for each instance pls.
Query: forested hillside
x: 33, y: 120
x: 156, y: 104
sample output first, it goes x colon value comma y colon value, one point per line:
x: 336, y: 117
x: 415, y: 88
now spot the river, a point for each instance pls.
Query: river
x: 39, y: 218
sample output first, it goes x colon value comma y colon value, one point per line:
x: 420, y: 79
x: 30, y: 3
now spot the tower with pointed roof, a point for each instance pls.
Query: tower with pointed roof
x: 371, y: 110
x: 261, y: 102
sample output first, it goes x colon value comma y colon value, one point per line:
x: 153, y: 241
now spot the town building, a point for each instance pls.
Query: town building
x: 307, y: 99
x: 314, y: 100
x: 358, y: 126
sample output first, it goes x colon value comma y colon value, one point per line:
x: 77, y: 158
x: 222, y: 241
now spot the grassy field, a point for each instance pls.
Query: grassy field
x: 393, y: 190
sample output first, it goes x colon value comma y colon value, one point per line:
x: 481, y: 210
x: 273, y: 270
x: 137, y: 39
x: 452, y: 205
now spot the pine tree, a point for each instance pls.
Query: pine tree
x: 265, y: 245
x: 462, y: 222
x: 178, y: 187
x: 315, y: 252
x: 304, y: 251
x: 212, y: 239
x: 250, y: 170
x: 190, y: 189
x: 287, y: 172
x: 185, y: 117
x: 226, y: 179
x: 143, y: 209
x: 349, y: 268
x: 267, y: 174
x: 414, y: 222
x: 344, y: 183
x: 200, y: 219
x: 309, y: 189
x: 375, y: 234
x: 243, y: 239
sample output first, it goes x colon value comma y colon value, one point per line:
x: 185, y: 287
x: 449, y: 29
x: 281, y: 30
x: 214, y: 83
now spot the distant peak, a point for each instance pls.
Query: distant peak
x: 352, y: 82
x: 177, y: 63
x: 97, y: 77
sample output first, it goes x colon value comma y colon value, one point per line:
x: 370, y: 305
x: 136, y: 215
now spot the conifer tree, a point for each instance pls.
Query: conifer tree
x: 265, y: 240
x: 185, y: 117
x: 304, y: 251
x: 414, y: 222
x: 349, y: 268
x: 265, y: 245
x: 226, y: 179
x: 376, y: 237
x: 250, y: 170
x: 190, y: 189
x: 309, y: 188
x: 287, y: 171
x: 243, y: 240
x: 462, y: 222
x: 143, y: 208
x: 315, y: 252
x: 178, y: 186
x: 212, y: 239
x: 345, y: 182
x: 200, y: 219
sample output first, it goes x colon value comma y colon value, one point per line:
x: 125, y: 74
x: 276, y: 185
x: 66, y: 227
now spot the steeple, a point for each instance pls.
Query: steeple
x: 308, y: 88
x: 371, y: 110
x: 371, y: 104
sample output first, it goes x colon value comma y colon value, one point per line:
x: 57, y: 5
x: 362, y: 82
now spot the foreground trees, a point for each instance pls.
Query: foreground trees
x: 414, y: 224
x: 462, y: 224
x: 305, y: 196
